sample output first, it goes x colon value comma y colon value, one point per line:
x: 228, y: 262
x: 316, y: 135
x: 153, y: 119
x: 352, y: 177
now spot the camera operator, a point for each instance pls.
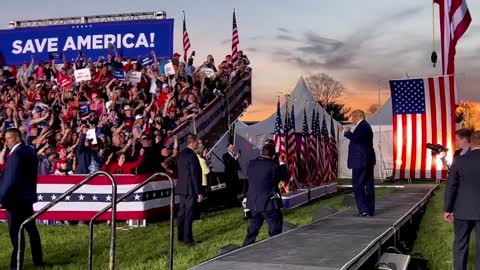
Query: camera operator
x: 462, y: 141
x: 264, y: 199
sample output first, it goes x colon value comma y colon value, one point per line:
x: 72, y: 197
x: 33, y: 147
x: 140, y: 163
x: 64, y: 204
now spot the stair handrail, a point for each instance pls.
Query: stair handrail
x: 63, y: 196
x: 123, y: 197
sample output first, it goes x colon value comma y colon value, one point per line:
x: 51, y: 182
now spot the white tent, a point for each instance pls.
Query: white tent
x: 250, y: 139
x: 383, y: 116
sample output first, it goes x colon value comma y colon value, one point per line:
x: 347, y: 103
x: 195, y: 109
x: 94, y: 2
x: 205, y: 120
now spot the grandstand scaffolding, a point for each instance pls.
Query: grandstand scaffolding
x: 152, y: 15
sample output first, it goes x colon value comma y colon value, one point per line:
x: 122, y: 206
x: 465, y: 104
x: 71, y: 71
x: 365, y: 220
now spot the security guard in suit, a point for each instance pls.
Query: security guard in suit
x: 18, y: 193
x: 264, y: 198
x: 461, y: 203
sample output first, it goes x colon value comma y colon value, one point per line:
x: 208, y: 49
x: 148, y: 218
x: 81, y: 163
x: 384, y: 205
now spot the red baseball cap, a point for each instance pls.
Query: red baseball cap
x: 59, y: 148
x: 176, y: 54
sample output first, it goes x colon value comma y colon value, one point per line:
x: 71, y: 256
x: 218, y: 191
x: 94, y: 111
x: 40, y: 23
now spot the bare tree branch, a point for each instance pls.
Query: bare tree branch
x: 325, y: 89
x: 373, y: 108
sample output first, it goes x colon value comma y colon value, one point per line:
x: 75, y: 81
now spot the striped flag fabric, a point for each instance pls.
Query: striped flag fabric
x: 423, y: 112
x: 319, y: 152
x: 235, y: 39
x: 304, y: 148
x: 278, y: 135
x: 454, y: 21
x: 312, y: 151
x: 325, y: 150
x: 186, y: 40
x: 333, y: 153
x: 292, y: 149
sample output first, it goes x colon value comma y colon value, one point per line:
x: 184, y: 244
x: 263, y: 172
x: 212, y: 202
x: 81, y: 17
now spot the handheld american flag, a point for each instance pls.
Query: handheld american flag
x: 235, y: 39
x: 278, y: 137
x: 333, y: 153
x: 423, y: 112
x: 186, y: 39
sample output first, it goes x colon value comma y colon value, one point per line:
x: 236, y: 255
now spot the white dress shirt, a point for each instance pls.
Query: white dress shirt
x: 13, y: 148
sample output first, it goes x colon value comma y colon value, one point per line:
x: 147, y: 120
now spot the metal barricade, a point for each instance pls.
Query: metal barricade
x: 63, y: 196
x: 130, y: 192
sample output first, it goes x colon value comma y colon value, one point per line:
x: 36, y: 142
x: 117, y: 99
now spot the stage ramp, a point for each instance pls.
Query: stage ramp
x: 339, y: 241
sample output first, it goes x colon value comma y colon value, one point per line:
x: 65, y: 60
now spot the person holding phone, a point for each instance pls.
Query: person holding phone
x: 232, y: 166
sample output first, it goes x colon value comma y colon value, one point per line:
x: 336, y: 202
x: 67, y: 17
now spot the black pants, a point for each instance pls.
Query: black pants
x: 462, y: 230
x: 364, y: 189
x: 187, y: 212
x: 231, y: 191
x: 274, y: 220
x: 16, y: 217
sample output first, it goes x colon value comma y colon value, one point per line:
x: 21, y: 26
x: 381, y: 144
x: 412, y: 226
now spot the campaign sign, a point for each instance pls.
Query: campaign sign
x: 130, y: 37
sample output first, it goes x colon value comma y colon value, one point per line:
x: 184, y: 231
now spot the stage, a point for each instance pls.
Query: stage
x: 339, y: 241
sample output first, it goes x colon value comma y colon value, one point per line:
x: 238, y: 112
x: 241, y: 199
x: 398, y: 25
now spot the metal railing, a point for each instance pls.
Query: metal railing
x: 63, y: 196
x: 123, y: 197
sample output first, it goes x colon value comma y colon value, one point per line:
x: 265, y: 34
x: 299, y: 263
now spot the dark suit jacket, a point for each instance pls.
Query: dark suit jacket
x: 231, y: 167
x: 84, y: 156
x: 462, y: 195
x: 189, y: 173
x: 458, y: 151
x: 360, y: 149
x: 264, y: 175
x: 18, y: 184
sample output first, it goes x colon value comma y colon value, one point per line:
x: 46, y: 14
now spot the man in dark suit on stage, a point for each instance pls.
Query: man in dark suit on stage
x: 462, y: 202
x: 263, y: 197
x: 189, y: 187
x: 18, y: 193
x: 361, y: 159
x: 232, y: 166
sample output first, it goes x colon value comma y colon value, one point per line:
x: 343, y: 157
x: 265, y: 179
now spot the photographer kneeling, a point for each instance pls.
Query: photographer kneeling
x: 264, y: 199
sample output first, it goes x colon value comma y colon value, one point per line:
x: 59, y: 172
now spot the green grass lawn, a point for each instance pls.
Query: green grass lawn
x: 65, y: 247
x: 435, y: 236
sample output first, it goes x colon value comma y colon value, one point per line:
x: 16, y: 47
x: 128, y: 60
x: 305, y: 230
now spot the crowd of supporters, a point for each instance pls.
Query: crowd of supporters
x: 106, y: 123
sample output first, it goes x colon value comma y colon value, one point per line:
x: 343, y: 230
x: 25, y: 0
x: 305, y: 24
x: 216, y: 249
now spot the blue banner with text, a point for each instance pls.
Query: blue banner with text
x: 131, y: 38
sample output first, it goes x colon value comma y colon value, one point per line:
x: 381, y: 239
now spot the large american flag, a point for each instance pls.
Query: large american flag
x: 278, y: 135
x: 291, y: 148
x: 186, y: 40
x: 333, y: 153
x: 423, y: 112
x: 235, y: 40
x: 304, y: 149
x: 325, y: 150
x: 312, y: 151
x: 454, y: 21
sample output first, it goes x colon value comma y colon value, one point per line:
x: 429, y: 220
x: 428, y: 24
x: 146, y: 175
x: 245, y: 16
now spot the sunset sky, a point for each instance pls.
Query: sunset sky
x: 360, y: 43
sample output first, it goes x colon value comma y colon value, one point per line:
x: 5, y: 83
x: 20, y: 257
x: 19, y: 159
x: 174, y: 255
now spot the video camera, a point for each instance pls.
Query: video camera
x: 437, y: 148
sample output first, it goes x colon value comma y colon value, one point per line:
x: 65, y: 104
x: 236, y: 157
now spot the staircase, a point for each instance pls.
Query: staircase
x: 216, y: 119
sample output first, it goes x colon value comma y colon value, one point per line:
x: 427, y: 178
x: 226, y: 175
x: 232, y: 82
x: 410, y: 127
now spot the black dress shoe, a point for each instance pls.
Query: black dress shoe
x: 361, y: 215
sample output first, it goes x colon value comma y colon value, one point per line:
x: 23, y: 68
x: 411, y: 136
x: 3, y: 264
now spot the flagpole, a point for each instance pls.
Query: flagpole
x: 433, y: 57
x: 380, y: 131
x: 306, y: 153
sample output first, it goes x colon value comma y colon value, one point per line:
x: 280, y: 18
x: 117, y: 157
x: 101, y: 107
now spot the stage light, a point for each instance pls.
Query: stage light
x: 398, y: 162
